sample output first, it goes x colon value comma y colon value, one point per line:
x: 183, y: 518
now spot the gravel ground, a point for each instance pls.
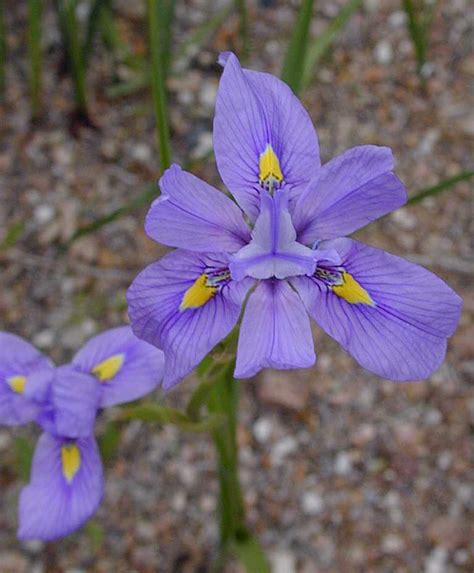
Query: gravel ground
x: 342, y: 471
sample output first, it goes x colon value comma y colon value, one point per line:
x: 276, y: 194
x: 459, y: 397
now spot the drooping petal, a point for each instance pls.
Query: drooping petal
x: 192, y: 215
x: 274, y: 251
x: 263, y: 137
x: 185, y: 304
x: 352, y: 190
x: 393, y: 316
x: 275, y: 331
x: 65, y: 489
x: 72, y: 404
x: 19, y: 362
x: 125, y: 367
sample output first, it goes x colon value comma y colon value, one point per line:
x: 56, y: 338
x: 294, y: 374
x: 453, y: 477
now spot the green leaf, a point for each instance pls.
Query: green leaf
x: 151, y: 192
x: 160, y: 414
x: 24, y: 457
x: 109, y: 441
x: 293, y: 65
x: 96, y: 534
x: 249, y: 552
x: 241, y: 6
x: 70, y: 30
x: 158, y: 15
x: 321, y: 45
x: 201, y: 33
x: 93, y: 22
x: 35, y: 54
x: 3, y: 50
x: 440, y: 187
x: 14, y: 233
x: 419, y: 24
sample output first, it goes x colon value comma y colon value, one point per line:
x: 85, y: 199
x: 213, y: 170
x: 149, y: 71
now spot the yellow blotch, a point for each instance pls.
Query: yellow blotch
x: 108, y: 368
x: 17, y: 384
x: 198, y: 294
x: 70, y: 461
x: 269, y: 167
x: 351, y: 291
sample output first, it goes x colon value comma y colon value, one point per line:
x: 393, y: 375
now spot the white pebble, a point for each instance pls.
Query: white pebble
x: 383, y: 52
x: 343, y: 464
x: 312, y: 503
x: 262, y: 430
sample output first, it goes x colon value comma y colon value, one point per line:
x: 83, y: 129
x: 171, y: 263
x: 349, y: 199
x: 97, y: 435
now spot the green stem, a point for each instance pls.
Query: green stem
x: 224, y: 399
x: 34, y: 48
x: 3, y: 50
x: 157, y: 9
x: 70, y: 30
x: 241, y: 6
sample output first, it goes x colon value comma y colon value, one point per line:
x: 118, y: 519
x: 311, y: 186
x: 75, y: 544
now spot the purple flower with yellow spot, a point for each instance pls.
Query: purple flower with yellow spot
x: 281, y: 245
x: 67, y: 483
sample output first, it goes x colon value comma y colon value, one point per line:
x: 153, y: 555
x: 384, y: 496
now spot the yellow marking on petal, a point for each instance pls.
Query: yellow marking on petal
x: 198, y: 294
x: 17, y: 383
x: 269, y: 167
x: 108, y: 368
x: 70, y: 461
x: 351, y: 291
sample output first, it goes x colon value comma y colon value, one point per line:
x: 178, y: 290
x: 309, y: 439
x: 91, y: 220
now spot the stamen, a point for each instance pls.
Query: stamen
x: 270, y: 175
x: 108, y: 368
x: 205, y: 287
x: 344, y: 285
x: 17, y: 383
x: 70, y: 461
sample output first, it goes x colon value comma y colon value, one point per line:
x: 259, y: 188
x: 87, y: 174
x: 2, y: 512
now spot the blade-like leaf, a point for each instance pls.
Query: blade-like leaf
x: 419, y: 23
x: 249, y: 552
x: 160, y: 414
x: 24, y: 457
x: 70, y: 30
x: 93, y: 21
x: 3, y: 50
x: 201, y: 33
x: 35, y: 54
x: 440, y: 187
x: 321, y: 45
x: 158, y: 10
x: 241, y: 6
x: 293, y: 65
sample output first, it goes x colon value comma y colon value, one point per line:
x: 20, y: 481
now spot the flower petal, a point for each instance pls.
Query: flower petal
x: 352, y: 190
x: 65, y: 490
x: 126, y: 367
x: 275, y: 331
x: 261, y: 133
x: 273, y: 251
x: 393, y: 317
x: 173, y: 305
x: 72, y: 404
x: 19, y: 363
x: 193, y: 215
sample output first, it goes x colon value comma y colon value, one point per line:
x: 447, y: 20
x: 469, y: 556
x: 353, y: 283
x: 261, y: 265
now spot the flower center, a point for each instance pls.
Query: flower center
x: 274, y: 250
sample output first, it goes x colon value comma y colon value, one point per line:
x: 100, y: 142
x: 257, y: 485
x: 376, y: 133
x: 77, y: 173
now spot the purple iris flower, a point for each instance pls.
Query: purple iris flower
x: 67, y: 483
x: 281, y: 245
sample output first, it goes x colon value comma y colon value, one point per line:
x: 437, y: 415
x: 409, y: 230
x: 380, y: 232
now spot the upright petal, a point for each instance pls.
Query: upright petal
x: 19, y: 362
x: 263, y: 137
x: 352, y: 190
x: 192, y: 215
x: 72, y: 404
x: 275, y: 331
x: 393, y: 316
x: 126, y: 367
x: 185, y: 304
x: 65, y: 490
